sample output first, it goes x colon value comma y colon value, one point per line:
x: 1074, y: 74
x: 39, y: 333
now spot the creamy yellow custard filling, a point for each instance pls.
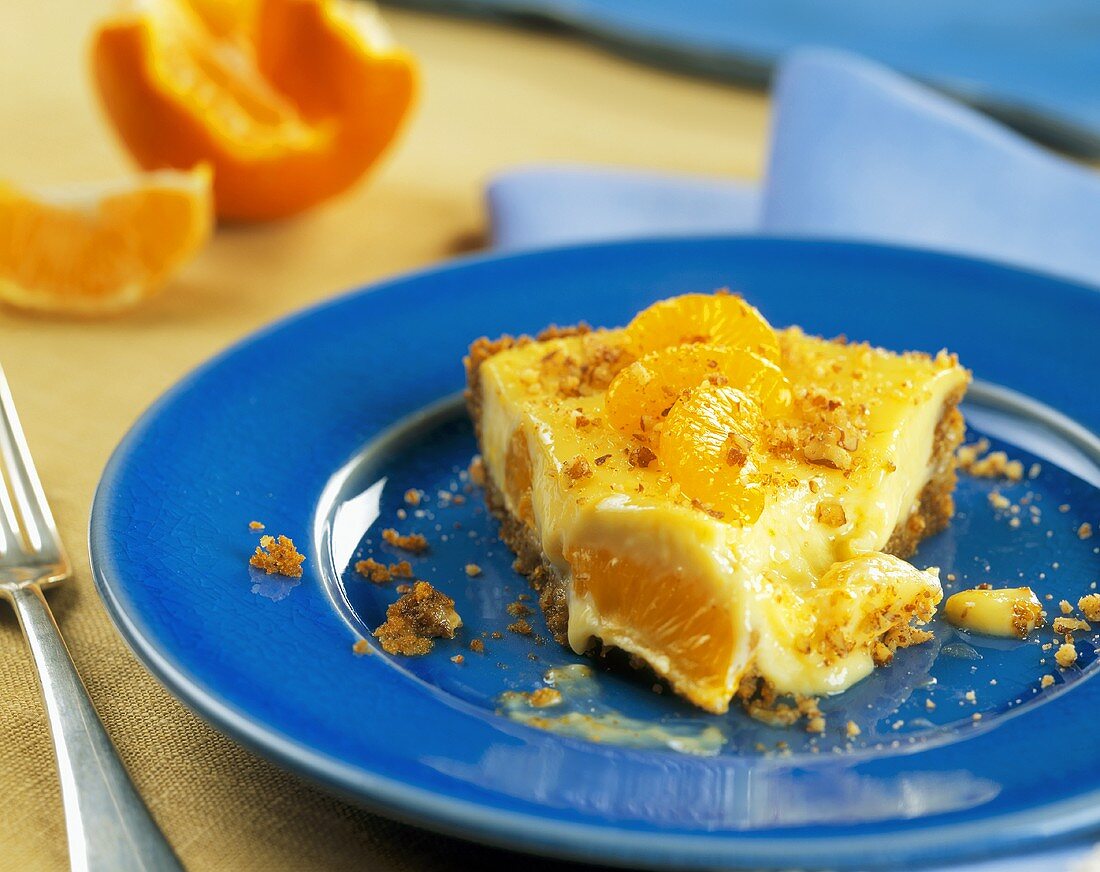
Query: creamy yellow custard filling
x: 798, y: 594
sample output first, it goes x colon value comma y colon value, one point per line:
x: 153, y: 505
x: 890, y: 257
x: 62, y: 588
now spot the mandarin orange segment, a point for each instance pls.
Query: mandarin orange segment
x: 290, y: 101
x: 663, y: 612
x: 642, y: 393
x: 715, y: 319
x: 100, y: 249
x: 707, y: 440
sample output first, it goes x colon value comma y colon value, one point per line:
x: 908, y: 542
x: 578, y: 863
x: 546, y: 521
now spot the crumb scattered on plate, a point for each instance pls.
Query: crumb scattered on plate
x: 255, y: 525
x: 421, y: 615
x: 414, y: 542
x: 278, y: 557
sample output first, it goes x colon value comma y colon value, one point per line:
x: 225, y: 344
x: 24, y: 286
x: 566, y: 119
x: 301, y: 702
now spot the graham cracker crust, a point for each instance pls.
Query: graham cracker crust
x: 933, y: 511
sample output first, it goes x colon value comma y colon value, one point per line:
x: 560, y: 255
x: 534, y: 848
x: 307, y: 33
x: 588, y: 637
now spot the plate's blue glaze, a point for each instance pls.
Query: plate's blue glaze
x: 270, y: 662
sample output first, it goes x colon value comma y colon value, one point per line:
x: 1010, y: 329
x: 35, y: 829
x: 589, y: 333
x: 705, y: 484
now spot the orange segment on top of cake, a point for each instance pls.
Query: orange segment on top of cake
x: 727, y: 502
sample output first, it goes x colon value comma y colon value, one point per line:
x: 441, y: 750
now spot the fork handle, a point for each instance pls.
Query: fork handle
x: 109, y: 827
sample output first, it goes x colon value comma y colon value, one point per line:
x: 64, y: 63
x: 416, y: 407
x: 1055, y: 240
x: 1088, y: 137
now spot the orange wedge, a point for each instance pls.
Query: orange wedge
x: 718, y: 319
x: 290, y: 101
x: 707, y: 439
x: 96, y: 250
x: 642, y: 393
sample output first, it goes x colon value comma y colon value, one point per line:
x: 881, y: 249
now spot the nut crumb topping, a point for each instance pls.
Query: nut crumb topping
x: 640, y: 455
x: 576, y: 469
x: 831, y: 513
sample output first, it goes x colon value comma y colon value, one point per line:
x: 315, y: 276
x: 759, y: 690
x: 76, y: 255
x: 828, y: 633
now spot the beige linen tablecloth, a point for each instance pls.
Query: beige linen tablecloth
x: 492, y: 98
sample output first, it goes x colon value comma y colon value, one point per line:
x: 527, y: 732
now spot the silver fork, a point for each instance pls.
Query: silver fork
x: 108, y: 825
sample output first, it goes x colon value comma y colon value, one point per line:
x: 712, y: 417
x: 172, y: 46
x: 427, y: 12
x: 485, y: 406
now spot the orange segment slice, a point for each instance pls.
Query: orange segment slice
x: 706, y: 442
x: 642, y: 393
x: 715, y: 319
x: 290, y: 101
x: 660, y: 610
x: 100, y: 249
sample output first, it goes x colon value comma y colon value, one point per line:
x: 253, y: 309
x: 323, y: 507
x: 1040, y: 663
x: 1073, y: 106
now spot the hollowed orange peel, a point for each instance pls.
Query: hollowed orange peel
x: 289, y: 101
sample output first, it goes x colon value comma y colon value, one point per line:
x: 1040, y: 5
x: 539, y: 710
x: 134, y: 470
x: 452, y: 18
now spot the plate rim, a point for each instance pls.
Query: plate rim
x: 467, y: 819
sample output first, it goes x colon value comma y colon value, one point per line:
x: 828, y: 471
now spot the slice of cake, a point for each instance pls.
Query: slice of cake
x: 726, y: 502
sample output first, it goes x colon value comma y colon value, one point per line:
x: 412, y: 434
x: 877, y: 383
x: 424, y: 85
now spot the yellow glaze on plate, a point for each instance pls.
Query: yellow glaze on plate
x: 799, y: 596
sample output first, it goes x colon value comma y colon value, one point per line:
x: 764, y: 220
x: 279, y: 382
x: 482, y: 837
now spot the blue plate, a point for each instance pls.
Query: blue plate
x: 317, y: 427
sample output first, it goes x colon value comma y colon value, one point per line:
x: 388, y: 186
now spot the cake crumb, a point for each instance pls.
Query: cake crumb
x: 974, y: 460
x: 977, y: 716
x: 1070, y: 625
x: 1090, y: 606
x: 414, y: 542
x: 255, y: 525
x: 852, y: 729
x: 278, y: 557
x: 928, y: 704
x: 999, y: 500
x: 377, y: 572
x: 1066, y: 655
x: 416, y: 619
x: 520, y: 626
x: 459, y: 659
x: 1084, y: 531
x: 519, y: 610
x: 413, y: 496
x: 361, y: 647
x: 473, y: 570
x: 1046, y: 681
x: 1066, y: 608
x: 970, y: 696
x: 477, y: 646
x: 477, y: 470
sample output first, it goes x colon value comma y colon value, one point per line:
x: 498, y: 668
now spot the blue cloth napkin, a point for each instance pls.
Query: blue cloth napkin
x: 857, y: 152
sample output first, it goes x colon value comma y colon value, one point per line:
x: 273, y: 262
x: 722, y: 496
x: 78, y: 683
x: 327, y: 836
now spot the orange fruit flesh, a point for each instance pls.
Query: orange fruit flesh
x: 642, y: 393
x: 518, y: 477
x: 705, y: 444
x: 103, y: 248
x: 664, y: 614
x: 715, y: 319
x: 290, y: 101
